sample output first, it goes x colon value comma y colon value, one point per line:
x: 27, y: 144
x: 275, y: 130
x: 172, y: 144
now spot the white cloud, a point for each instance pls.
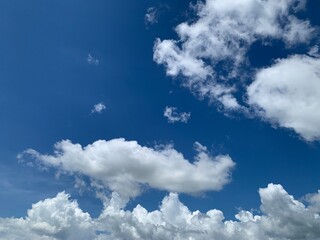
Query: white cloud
x: 151, y: 16
x: 56, y: 218
x: 288, y: 94
x: 98, y: 108
x: 314, y: 201
x: 125, y: 166
x: 282, y: 218
x: 314, y: 51
x: 92, y: 60
x: 212, y: 50
x: 172, y: 114
x: 211, y: 56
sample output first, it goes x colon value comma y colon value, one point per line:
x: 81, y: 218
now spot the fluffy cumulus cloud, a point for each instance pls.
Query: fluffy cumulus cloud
x: 56, y: 218
x: 210, y: 55
x: 125, y: 166
x: 212, y: 50
x: 281, y: 218
x: 173, y: 115
x: 288, y: 94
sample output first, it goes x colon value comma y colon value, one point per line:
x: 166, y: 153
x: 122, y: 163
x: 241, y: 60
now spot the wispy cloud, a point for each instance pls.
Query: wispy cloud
x: 288, y: 93
x: 314, y: 51
x: 98, y: 108
x: 151, y: 17
x: 210, y: 55
x: 222, y: 36
x: 92, y: 60
x: 173, y: 115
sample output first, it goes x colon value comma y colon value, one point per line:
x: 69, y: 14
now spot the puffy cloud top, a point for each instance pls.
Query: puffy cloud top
x: 123, y: 166
x: 282, y: 218
x: 55, y: 218
x: 212, y: 49
x: 211, y: 57
x: 288, y: 94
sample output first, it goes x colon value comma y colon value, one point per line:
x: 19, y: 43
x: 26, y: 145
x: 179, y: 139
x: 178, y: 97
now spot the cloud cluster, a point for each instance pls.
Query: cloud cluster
x: 173, y: 115
x: 210, y: 55
x: 125, y: 166
x: 282, y: 218
x: 223, y: 33
x: 288, y: 94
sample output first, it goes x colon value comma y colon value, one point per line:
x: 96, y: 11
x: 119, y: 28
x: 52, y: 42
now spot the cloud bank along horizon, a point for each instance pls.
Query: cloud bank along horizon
x: 119, y: 170
x: 222, y: 36
x: 281, y: 217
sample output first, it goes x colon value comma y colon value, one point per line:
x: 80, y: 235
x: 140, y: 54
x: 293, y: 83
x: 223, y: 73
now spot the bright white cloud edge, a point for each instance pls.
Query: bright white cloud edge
x: 288, y: 94
x: 222, y: 35
x: 281, y: 218
x: 173, y: 115
x: 126, y: 167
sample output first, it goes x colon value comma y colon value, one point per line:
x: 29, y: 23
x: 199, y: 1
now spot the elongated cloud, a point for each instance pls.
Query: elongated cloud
x: 282, y: 218
x: 124, y: 166
x: 288, y: 94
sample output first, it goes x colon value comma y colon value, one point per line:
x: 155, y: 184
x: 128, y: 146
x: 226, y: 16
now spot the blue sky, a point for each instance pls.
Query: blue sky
x: 240, y: 83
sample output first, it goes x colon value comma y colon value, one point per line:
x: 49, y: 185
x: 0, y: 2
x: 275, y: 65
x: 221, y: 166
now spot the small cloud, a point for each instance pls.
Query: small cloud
x: 98, y: 108
x: 314, y: 51
x: 92, y: 60
x: 174, y: 116
x: 151, y: 16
